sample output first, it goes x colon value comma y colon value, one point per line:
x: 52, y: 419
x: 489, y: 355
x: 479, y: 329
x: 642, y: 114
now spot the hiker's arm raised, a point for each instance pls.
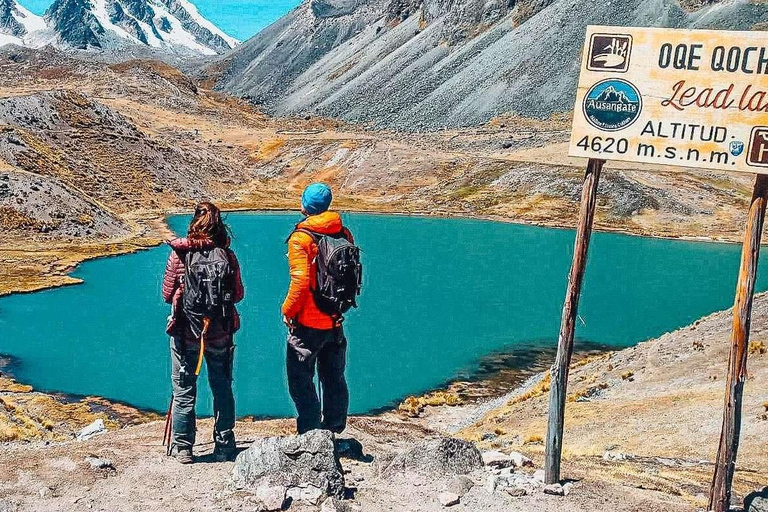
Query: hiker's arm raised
x: 298, y: 262
x: 170, y: 279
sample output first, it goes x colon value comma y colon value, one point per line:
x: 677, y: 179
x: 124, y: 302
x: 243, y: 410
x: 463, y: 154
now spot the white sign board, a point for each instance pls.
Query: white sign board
x: 692, y: 98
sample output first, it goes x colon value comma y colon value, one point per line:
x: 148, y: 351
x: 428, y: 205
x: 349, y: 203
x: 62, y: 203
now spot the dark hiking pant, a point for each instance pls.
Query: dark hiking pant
x: 326, y: 349
x: 218, y: 362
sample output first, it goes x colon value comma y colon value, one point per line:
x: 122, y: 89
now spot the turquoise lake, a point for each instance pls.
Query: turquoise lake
x: 440, y: 295
x: 238, y: 18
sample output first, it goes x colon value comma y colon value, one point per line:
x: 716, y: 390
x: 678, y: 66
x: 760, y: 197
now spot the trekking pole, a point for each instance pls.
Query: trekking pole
x: 206, y: 325
x: 168, y: 427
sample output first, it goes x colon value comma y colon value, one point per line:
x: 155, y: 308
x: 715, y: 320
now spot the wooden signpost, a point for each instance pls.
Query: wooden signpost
x: 559, y: 378
x: 672, y: 98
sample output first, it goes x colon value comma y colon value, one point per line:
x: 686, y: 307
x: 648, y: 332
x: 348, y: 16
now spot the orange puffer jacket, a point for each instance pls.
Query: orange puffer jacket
x: 299, y: 304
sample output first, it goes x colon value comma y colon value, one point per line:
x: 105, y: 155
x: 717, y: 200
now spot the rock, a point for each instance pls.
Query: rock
x: 539, y: 475
x: 94, y: 429
x: 308, y: 494
x: 334, y: 505
x: 516, y: 492
x: 614, y: 456
x: 99, y: 463
x: 519, y: 460
x: 448, y: 499
x: 754, y: 502
x: 491, y: 483
x: 567, y: 488
x: 272, y: 497
x: 436, y: 457
x: 496, y: 459
x: 554, y: 489
x: 291, y: 461
x: 460, y: 485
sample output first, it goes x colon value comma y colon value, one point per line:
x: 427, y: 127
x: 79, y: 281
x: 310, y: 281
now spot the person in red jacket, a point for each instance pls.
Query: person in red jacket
x: 206, y: 231
x: 315, y: 339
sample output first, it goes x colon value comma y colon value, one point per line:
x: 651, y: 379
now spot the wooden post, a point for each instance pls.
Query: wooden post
x: 559, y: 371
x: 720, y: 492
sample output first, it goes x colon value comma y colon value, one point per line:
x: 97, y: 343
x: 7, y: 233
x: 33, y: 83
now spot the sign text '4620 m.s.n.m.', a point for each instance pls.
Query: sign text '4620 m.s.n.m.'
x: 673, y: 97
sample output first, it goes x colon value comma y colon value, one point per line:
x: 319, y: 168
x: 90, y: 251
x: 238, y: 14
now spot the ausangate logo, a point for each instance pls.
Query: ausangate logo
x: 612, y: 105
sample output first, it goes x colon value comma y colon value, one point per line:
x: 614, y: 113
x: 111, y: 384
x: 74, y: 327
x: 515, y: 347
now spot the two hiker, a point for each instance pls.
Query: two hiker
x: 203, y: 284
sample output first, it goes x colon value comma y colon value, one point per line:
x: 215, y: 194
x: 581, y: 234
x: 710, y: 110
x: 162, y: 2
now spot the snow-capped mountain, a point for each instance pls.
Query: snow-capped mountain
x: 172, y: 26
x: 17, y: 23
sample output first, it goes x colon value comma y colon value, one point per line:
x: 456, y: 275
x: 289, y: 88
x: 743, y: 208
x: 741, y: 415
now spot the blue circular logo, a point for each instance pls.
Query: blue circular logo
x: 612, y: 104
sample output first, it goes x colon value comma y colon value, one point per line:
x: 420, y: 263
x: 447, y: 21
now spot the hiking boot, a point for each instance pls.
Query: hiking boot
x: 224, y: 454
x: 183, y: 455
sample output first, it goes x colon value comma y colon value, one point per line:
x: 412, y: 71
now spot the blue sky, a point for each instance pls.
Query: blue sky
x: 238, y: 18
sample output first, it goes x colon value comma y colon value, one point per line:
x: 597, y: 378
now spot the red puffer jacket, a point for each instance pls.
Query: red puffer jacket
x: 173, y: 286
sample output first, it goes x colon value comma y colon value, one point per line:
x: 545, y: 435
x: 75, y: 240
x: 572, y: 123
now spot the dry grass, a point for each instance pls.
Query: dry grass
x: 539, y: 389
x: 413, y: 406
x: 533, y: 439
x: 587, y: 392
x: 757, y: 347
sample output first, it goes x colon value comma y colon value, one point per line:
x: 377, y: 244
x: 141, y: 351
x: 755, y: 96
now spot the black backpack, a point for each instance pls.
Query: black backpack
x: 209, y: 289
x: 339, y: 273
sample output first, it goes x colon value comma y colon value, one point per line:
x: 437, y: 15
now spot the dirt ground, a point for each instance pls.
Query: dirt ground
x: 57, y: 477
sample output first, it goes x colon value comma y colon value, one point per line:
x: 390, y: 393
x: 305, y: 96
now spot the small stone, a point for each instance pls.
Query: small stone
x: 614, y: 456
x: 553, y: 489
x: 539, y: 475
x: 757, y: 502
x: 94, y: 429
x: 333, y: 505
x: 567, y: 488
x: 272, y: 496
x: 516, y: 492
x: 99, y: 463
x: 312, y: 495
x: 460, y: 485
x: 491, y: 483
x: 519, y: 460
x: 448, y: 499
x: 496, y: 459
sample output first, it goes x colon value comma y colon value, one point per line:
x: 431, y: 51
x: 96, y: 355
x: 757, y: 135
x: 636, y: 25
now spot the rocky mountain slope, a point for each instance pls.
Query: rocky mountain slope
x: 92, y: 156
x: 429, y: 64
x: 116, y: 29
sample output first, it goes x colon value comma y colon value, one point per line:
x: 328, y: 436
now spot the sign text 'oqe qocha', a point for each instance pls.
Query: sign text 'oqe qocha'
x: 690, y: 98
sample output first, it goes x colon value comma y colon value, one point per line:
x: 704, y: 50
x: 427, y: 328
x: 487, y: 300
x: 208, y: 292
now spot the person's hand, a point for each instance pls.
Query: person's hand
x: 288, y: 323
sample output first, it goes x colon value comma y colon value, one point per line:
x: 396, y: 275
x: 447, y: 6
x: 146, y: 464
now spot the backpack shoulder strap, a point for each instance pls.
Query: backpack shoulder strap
x: 314, y: 236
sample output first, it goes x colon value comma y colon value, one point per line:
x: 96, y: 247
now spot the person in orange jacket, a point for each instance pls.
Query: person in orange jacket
x: 315, y: 339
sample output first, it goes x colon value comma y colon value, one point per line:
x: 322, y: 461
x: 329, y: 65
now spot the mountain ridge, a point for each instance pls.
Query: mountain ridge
x: 109, y: 28
x: 417, y: 65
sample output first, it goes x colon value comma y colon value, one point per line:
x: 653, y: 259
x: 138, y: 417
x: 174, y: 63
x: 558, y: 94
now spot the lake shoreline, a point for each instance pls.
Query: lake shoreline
x: 152, y: 236
x: 471, y: 387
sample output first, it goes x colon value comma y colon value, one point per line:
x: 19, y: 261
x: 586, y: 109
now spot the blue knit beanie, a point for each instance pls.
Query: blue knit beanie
x: 316, y: 198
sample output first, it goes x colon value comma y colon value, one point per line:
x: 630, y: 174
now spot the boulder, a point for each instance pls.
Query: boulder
x: 436, y: 457
x: 293, y: 461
